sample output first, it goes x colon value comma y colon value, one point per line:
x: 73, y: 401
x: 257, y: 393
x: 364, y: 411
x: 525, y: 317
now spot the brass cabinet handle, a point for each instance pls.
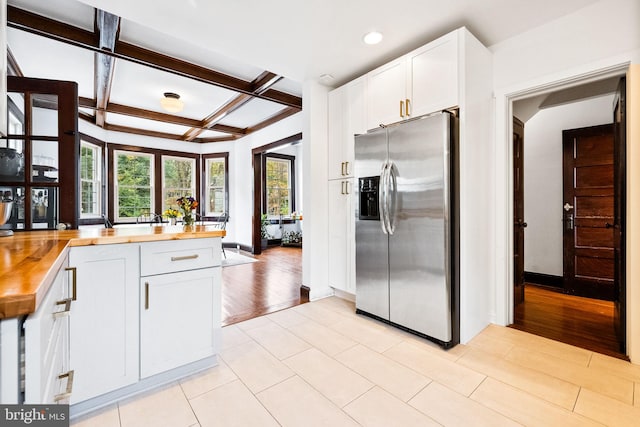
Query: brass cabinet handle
x: 401, y: 108
x: 342, y: 168
x: 69, y: 390
x: 146, y: 295
x: 346, y: 187
x: 67, y: 308
x: 74, y: 281
x: 407, y: 108
x: 341, y: 187
x: 185, y: 257
x: 346, y: 168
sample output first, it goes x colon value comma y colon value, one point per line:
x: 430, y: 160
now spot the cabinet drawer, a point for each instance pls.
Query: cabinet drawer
x: 178, y: 255
x: 46, y: 332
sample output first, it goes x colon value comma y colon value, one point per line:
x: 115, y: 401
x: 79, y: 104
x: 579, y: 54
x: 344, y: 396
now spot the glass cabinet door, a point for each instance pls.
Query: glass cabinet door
x: 39, y: 157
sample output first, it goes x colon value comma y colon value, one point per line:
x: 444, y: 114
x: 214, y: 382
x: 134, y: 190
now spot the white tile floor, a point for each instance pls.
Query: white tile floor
x: 319, y: 364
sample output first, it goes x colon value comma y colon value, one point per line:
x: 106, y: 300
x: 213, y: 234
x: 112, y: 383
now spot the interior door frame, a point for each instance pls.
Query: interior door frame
x: 256, y: 155
x: 505, y: 98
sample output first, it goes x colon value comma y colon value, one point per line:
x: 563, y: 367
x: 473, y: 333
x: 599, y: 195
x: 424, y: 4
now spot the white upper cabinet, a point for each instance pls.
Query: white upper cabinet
x: 432, y: 79
x: 417, y: 83
x: 387, y: 93
x: 347, y: 117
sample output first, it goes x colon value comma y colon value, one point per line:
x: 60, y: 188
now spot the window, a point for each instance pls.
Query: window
x: 216, y: 184
x: 178, y: 180
x: 134, y: 185
x: 90, y: 180
x: 279, y: 185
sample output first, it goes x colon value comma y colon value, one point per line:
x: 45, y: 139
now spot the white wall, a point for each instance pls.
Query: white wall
x: 315, y: 266
x: 598, y: 40
x: 543, y: 178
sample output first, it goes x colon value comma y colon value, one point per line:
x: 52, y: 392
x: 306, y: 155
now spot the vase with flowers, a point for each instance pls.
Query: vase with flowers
x: 187, y: 206
x: 172, y: 214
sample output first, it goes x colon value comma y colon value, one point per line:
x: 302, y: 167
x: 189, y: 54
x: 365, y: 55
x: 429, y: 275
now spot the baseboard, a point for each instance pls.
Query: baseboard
x: 543, y: 279
x: 344, y: 295
x: 234, y: 245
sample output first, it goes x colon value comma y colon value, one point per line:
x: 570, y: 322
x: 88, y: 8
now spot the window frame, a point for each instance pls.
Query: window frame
x: 152, y: 184
x: 292, y: 178
x: 98, y: 178
x: 157, y: 178
x: 192, y: 189
x: 205, y: 184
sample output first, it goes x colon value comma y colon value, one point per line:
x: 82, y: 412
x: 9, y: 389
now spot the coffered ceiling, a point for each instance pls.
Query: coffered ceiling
x: 122, y: 74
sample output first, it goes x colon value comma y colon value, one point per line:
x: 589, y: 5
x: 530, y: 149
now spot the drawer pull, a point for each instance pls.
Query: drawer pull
x: 183, y: 258
x: 74, y: 281
x: 146, y: 295
x: 69, y: 390
x: 67, y: 308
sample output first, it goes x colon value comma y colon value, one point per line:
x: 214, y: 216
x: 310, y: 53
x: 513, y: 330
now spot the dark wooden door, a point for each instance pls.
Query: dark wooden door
x: 619, y: 209
x: 46, y: 192
x: 588, y: 187
x: 518, y: 211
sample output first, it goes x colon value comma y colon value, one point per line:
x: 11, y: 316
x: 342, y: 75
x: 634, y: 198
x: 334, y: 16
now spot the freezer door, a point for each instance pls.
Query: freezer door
x: 419, y: 283
x: 372, y: 245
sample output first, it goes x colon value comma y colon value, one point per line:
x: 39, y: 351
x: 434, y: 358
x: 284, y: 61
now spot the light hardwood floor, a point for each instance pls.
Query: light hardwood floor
x: 320, y: 364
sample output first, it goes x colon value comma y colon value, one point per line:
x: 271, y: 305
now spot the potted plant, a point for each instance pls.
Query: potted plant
x: 264, y: 233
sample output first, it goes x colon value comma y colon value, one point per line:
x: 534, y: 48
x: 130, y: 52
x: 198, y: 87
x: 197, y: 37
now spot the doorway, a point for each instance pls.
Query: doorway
x: 574, y: 243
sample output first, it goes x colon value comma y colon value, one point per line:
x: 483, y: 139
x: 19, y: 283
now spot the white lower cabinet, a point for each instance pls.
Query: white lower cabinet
x: 104, y: 325
x: 341, y: 235
x: 47, y: 374
x: 179, y: 319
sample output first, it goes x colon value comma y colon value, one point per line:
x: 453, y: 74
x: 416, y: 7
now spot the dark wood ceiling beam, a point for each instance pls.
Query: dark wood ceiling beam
x: 160, y: 117
x: 283, y: 114
x: 145, y: 132
x: 215, y: 139
x: 46, y: 27
x: 210, y: 121
x: 108, y: 30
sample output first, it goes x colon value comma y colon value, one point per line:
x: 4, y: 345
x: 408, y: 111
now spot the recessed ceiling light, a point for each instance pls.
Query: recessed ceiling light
x: 171, y: 102
x: 372, y: 37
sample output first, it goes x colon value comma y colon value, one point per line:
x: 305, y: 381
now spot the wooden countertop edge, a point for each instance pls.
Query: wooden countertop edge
x: 20, y: 304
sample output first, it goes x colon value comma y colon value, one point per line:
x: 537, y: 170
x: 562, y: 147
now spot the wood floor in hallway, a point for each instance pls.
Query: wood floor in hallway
x: 583, y: 322
x: 271, y: 284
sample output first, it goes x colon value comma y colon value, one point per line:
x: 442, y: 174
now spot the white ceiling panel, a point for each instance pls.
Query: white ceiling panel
x: 135, y: 122
x: 212, y: 134
x: 141, y: 86
x: 48, y: 59
x: 288, y: 86
x: 134, y: 33
x: 251, y: 113
x: 69, y: 11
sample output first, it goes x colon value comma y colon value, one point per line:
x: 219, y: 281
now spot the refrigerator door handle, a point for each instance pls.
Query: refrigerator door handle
x: 392, y: 203
x: 382, y: 198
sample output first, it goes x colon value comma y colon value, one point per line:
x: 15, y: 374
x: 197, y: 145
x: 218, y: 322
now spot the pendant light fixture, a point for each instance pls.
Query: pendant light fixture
x: 171, y: 102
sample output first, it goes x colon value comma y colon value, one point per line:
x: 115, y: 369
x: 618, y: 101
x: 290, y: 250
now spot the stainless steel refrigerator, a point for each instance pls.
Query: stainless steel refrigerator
x: 407, y: 242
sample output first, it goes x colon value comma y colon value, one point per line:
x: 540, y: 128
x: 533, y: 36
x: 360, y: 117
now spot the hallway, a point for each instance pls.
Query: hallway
x: 583, y: 322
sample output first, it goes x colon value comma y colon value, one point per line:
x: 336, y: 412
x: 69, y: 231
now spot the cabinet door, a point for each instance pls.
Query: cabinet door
x: 104, y: 324
x: 432, y: 81
x: 386, y: 89
x: 46, y: 341
x: 341, y: 257
x: 179, y: 319
x: 336, y: 120
x: 355, y: 114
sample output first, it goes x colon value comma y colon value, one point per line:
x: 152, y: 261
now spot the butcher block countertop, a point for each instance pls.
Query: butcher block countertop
x: 30, y: 260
